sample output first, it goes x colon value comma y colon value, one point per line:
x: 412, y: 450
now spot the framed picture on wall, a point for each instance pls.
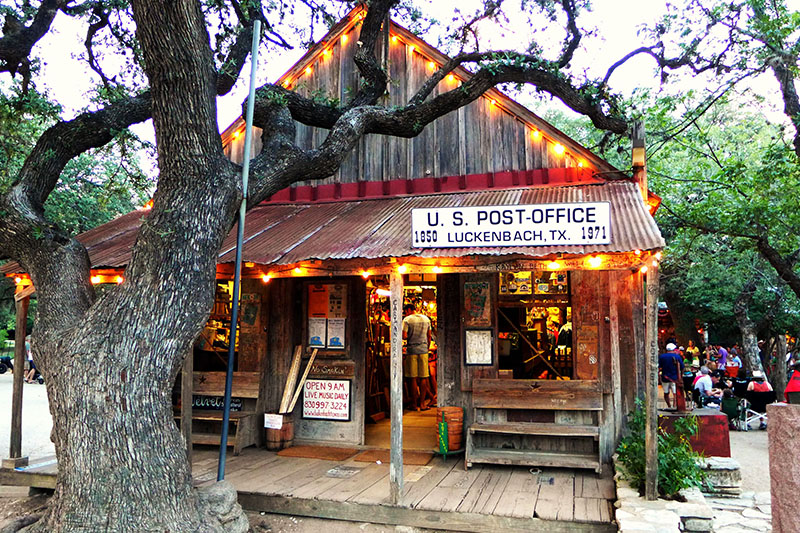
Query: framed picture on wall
x: 479, y: 347
x: 477, y: 304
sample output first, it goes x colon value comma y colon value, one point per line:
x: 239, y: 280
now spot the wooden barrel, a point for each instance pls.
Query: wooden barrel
x: 454, y: 416
x: 278, y: 439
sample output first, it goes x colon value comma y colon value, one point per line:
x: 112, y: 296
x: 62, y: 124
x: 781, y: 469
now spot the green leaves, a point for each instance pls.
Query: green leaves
x: 677, y: 462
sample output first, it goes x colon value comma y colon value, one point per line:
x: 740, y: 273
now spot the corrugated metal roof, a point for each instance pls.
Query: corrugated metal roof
x: 283, y: 234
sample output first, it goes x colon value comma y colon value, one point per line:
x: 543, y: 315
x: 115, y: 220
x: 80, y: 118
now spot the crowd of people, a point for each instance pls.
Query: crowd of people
x: 709, y: 376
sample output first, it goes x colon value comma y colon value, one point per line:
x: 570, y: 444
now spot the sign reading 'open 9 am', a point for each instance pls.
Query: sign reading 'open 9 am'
x: 514, y: 225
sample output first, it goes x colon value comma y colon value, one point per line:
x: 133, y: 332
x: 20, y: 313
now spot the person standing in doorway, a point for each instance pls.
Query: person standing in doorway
x: 671, y: 366
x: 417, y: 332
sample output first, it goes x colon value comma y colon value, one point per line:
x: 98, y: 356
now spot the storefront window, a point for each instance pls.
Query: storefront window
x: 535, y: 325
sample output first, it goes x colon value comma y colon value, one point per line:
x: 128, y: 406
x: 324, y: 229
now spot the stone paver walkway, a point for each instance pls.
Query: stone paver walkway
x: 748, y: 513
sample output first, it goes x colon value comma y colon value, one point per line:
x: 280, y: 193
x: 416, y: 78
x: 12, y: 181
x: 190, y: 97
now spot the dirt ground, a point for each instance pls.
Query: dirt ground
x: 750, y: 449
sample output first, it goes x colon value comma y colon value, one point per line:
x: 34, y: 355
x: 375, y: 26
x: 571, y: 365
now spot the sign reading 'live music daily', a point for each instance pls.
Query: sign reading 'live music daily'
x: 514, y: 225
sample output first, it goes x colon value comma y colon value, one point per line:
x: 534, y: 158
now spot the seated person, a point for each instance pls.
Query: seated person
x: 759, y: 384
x: 705, y: 387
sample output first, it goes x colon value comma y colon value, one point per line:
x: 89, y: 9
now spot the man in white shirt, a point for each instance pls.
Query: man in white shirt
x: 417, y: 332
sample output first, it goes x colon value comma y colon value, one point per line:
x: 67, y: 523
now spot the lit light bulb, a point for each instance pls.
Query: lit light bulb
x: 17, y: 280
x: 637, y: 252
x: 535, y: 134
x: 451, y: 78
x: 655, y: 263
x: 265, y: 278
x: 412, y: 48
x: 298, y: 270
x: 365, y: 274
x: 553, y: 265
x: 309, y: 70
x: 595, y: 261
x: 643, y: 270
x: 95, y: 280
x: 236, y: 134
x: 437, y: 269
x: 394, y: 38
x: 119, y: 279
x: 658, y: 255
x: 344, y: 38
x: 493, y: 102
x: 431, y: 65
x: 558, y: 148
x: 402, y: 269
x: 580, y: 164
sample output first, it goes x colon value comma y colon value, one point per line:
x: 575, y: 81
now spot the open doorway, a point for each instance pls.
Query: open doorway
x: 419, y: 421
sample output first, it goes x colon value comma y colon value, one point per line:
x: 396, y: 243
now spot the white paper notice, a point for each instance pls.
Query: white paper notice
x: 316, y: 332
x: 336, y: 333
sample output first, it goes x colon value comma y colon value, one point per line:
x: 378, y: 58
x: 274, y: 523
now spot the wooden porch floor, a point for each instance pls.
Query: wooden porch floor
x: 440, y: 495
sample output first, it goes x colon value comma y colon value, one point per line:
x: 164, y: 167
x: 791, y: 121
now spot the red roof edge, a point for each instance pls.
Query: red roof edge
x: 332, y: 192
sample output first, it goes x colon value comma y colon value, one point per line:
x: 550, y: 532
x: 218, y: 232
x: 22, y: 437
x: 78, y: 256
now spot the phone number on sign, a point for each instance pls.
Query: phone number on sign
x: 335, y: 406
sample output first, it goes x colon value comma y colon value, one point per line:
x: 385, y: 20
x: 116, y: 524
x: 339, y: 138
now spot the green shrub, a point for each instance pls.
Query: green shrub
x: 677, y: 462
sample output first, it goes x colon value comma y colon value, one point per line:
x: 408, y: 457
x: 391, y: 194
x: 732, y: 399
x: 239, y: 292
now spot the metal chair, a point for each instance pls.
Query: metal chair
x: 756, y: 408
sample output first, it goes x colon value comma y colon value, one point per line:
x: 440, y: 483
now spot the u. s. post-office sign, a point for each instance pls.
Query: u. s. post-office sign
x: 512, y: 225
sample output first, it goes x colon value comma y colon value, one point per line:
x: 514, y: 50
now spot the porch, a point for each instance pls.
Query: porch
x: 440, y: 495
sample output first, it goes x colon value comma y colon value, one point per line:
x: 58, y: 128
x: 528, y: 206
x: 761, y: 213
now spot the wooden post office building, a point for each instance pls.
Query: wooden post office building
x: 525, y: 250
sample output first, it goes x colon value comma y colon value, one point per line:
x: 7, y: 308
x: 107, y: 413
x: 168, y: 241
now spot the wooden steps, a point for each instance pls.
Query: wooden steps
x: 532, y: 428
x: 535, y: 458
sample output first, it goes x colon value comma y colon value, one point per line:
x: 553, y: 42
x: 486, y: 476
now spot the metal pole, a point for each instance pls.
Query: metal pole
x: 248, y: 139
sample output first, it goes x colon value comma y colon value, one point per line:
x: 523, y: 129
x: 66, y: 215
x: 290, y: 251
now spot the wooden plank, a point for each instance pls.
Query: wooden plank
x: 461, y: 479
x: 302, y: 381
x: 291, y: 380
x: 25, y: 479
x: 592, y: 510
x: 355, y: 485
x: 20, y: 356
x: 443, y: 499
x: 186, y: 403
x: 531, y: 428
x: 245, y: 384
x: 537, y: 394
x: 520, y: 495
x: 436, y: 520
x: 310, y: 473
x: 501, y: 456
x: 396, y: 385
x: 485, y: 493
x: 418, y: 490
x: 651, y: 380
x: 556, y: 495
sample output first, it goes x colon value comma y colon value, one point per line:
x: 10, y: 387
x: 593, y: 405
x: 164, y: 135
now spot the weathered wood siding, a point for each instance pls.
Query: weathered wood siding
x: 481, y: 138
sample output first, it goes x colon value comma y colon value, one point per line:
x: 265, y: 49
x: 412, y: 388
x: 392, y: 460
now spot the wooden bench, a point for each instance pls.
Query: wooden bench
x: 244, y: 424
x: 536, y: 423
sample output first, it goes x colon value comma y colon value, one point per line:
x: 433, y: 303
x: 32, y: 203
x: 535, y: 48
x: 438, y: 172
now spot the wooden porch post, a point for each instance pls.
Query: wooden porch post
x: 651, y: 388
x: 396, y: 384
x: 20, y: 356
x: 187, y: 375
x: 616, y: 379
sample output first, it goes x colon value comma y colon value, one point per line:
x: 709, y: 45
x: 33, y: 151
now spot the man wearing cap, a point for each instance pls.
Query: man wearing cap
x: 671, y: 366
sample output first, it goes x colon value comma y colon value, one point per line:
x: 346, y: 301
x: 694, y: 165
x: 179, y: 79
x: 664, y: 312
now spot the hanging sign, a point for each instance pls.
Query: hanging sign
x: 568, y: 224
x: 326, y: 399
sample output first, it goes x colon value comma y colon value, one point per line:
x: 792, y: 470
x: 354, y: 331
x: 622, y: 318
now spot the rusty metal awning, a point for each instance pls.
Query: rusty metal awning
x: 288, y: 233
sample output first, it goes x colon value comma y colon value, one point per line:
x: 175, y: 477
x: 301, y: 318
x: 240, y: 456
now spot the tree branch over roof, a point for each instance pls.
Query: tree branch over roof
x: 18, y: 40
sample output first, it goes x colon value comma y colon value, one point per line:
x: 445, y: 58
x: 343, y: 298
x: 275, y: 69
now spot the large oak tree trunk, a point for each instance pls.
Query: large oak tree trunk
x: 748, y: 328
x: 113, y: 476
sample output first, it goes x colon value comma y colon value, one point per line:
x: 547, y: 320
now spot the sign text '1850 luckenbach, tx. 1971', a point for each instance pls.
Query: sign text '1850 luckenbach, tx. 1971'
x: 512, y: 225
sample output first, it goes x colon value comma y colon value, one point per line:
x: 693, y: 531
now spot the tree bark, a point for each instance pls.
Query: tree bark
x: 748, y: 328
x: 780, y: 377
